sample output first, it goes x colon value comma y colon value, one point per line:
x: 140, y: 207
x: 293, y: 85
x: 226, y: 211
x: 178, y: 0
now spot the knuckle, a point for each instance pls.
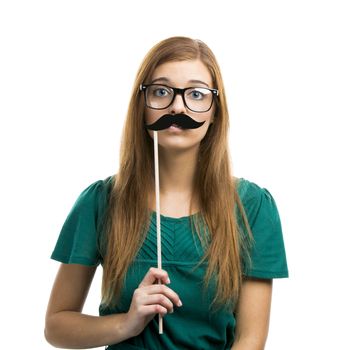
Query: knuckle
x: 162, y: 299
x: 160, y: 309
x: 139, y: 309
x: 165, y: 290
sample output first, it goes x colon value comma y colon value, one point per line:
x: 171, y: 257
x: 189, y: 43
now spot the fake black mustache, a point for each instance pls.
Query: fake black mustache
x: 182, y: 120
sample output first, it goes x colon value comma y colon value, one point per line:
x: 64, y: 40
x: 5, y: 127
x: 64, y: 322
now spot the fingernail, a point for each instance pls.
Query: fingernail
x: 179, y: 303
x: 168, y: 280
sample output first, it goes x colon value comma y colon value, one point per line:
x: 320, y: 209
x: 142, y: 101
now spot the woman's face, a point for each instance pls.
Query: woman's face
x: 181, y: 74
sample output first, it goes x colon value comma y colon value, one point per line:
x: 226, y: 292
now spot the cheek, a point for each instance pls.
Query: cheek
x: 209, y: 116
x: 150, y: 133
x: 200, y: 133
x: 212, y: 114
x: 209, y: 120
x: 147, y: 116
x: 152, y: 115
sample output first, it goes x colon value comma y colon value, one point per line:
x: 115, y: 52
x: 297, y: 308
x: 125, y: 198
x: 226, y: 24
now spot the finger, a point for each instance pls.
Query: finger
x: 153, y: 275
x: 164, y: 290
x: 153, y: 310
x: 158, y: 299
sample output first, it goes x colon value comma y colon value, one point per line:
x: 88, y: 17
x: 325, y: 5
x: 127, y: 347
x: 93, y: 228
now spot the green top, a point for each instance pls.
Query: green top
x: 194, y: 325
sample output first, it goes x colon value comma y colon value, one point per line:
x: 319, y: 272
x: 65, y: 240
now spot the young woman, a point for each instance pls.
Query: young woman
x: 221, y: 236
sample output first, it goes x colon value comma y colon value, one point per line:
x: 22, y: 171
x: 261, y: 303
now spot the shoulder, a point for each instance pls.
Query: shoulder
x: 94, y: 198
x: 268, y: 256
x: 248, y: 190
x: 99, y: 186
x: 78, y: 242
x: 97, y: 190
x: 256, y: 200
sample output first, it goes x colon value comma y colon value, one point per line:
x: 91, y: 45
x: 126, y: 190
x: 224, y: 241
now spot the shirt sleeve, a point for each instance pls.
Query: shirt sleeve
x: 78, y: 241
x: 268, y: 255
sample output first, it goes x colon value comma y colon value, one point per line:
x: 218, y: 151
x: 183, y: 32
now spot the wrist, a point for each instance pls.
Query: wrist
x: 120, y: 330
x: 125, y: 327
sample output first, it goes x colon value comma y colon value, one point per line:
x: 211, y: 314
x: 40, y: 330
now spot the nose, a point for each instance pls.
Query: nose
x: 178, y: 105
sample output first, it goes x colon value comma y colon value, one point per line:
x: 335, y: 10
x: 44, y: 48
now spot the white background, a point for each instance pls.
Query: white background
x: 66, y: 72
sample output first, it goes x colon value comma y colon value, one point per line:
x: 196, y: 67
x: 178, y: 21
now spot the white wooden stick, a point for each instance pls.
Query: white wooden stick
x: 159, y: 241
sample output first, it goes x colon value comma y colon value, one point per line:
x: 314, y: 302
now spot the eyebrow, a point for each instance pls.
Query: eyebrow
x: 195, y: 81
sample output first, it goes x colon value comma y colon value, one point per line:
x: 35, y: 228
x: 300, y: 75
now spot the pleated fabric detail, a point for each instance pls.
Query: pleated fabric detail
x: 179, y: 243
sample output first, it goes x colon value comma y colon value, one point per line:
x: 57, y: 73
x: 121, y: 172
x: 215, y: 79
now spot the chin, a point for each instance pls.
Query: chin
x: 178, y: 146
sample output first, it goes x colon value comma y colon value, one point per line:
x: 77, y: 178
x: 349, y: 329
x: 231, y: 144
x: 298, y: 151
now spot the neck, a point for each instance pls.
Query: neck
x: 177, y: 171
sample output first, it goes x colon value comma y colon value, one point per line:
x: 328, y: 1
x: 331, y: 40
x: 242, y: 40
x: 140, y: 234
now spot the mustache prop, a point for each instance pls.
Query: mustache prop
x: 182, y: 120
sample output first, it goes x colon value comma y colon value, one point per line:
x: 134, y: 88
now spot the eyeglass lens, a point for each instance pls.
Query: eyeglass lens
x: 161, y: 96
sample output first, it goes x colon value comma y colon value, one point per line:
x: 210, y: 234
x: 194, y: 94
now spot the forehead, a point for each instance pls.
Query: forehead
x: 181, y: 73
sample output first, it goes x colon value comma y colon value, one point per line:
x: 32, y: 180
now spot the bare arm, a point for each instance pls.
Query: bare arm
x: 67, y: 327
x: 253, y: 314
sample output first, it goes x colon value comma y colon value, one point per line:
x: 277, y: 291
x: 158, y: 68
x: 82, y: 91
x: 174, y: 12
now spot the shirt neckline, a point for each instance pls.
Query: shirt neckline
x: 171, y: 218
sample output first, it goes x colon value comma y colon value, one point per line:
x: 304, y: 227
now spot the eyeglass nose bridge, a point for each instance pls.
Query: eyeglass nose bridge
x: 178, y: 91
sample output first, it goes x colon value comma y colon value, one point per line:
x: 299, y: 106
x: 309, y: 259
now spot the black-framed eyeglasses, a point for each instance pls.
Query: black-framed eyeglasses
x: 196, y: 99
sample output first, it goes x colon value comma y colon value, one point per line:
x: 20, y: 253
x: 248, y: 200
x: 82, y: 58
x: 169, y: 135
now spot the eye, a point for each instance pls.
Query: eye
x: 161, y: 91
x: 196, y: 94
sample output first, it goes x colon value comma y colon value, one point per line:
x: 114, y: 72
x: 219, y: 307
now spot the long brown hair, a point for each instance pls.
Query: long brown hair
x: 129, y: 212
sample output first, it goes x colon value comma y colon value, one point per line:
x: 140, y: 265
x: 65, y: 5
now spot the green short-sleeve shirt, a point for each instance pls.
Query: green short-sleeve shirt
x: 194, y: 325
